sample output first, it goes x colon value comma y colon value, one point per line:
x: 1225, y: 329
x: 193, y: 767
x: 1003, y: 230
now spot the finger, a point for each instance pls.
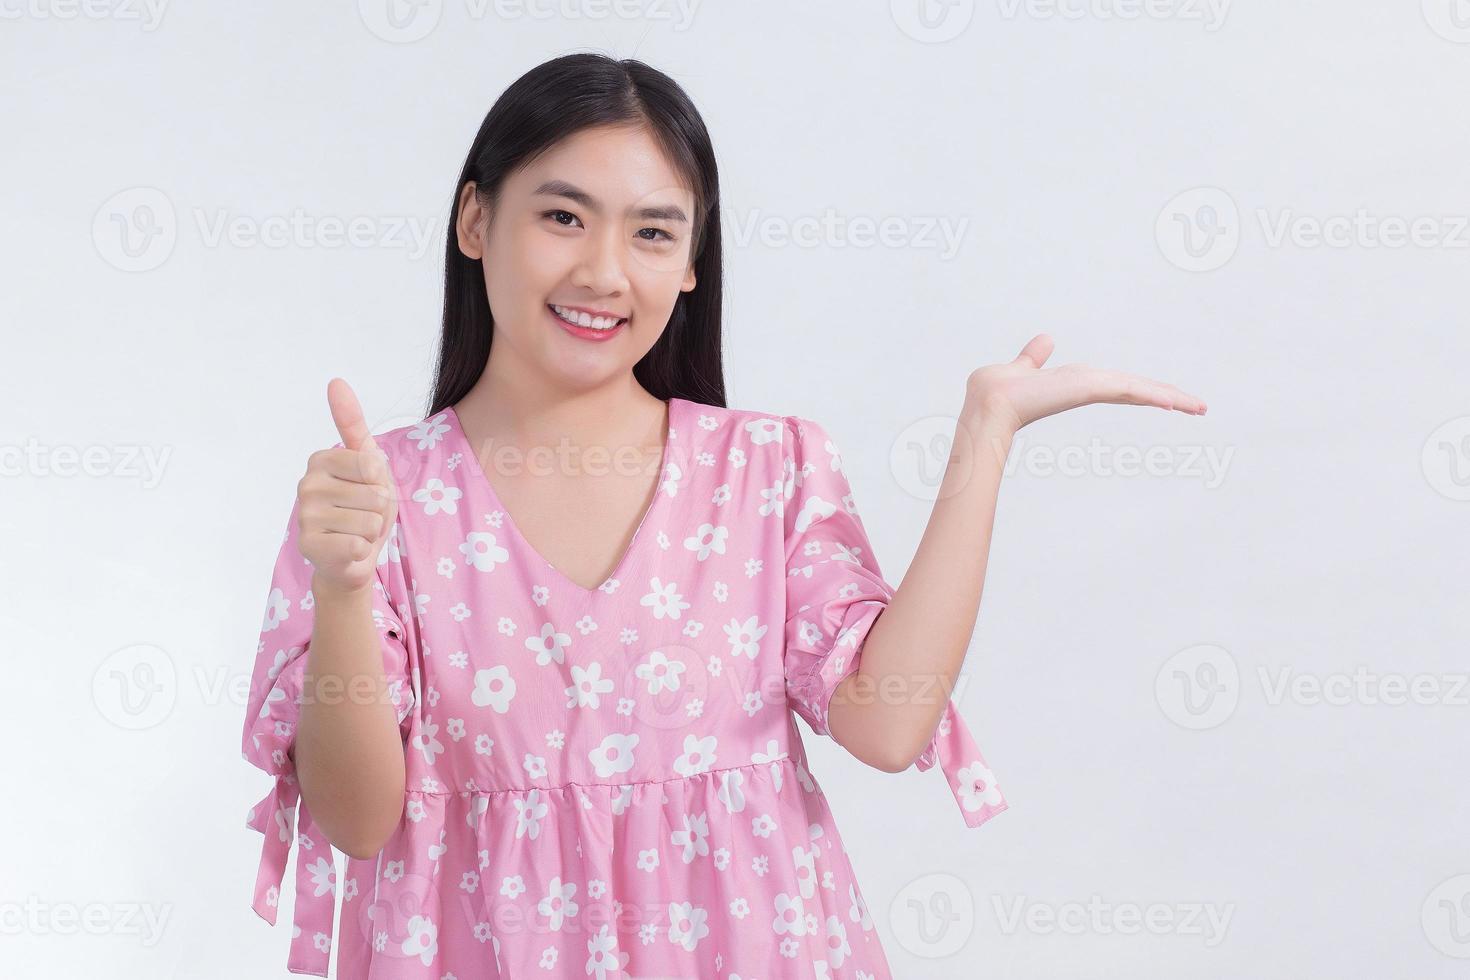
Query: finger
x: 354, y: 467
x: 350, y: 495
x: 332, y: 548
x: 347, y: 415
x: 1036, y: 351
x: 365, y: 524
x: 1131, y: 389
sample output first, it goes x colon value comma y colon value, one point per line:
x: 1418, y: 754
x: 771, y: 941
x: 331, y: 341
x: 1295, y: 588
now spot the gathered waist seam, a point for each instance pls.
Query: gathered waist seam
x: 785, y: 759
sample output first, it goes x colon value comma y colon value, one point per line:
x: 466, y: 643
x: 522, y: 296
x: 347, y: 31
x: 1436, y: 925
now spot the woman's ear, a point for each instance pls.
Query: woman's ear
x: 471, y: 219
x: 688, y: 283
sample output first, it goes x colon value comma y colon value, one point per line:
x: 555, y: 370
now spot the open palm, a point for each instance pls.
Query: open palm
x: 1019, y: 392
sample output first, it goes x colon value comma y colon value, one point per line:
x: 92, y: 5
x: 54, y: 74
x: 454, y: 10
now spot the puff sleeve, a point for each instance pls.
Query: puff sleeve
x: 273, y: 706
x: 835, y: 592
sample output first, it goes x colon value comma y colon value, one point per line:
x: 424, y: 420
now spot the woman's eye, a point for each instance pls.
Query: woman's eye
x: 553, y: 215
x: 656, y: 231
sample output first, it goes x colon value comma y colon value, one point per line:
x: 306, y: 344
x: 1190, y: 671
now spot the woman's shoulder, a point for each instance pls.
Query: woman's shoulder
x: 741, y: 426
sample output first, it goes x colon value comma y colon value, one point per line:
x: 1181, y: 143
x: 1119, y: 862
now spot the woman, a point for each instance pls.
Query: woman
x: 548, y: 715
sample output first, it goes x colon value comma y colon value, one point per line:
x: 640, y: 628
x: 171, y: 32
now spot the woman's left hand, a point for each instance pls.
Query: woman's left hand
x: 1018, y: 393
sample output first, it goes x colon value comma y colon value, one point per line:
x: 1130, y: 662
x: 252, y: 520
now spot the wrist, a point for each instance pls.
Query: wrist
x: 334, y: 594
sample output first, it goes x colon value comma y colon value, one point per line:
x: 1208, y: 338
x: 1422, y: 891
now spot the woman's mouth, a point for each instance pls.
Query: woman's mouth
x: 581, y: 324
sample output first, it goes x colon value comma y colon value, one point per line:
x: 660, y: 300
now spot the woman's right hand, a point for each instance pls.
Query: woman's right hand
x: 347, y: 503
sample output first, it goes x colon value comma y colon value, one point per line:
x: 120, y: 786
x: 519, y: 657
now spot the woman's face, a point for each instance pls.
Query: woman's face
x: 599, y: 222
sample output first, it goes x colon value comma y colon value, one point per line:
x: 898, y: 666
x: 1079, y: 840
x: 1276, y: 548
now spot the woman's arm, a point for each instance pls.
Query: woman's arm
x: 886, y: 711
x: 348, y: 751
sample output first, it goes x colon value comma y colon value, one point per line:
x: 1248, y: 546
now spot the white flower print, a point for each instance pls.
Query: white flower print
x: 765, y: 430
x: 428, y: 432
x: 858, y: 911
x: 614, y: 754
x: 708, y: 540
x: 672, y: 473
x: 460, y: 612
x: 425, y: 741
x: 762, y: 825
x: 436, y: 497
x: 694, y: 838
x: 392, y: 871
x: 585, y: 625
x: 805, y: 859
x: 731, y: 791
x: 549, y: 645
x: 548, y: 958
x: 423, y: 939
x: 588, y: 686
x: 647, y: 860
x: 323, y: 876
x: 390, y: 551
x: 277, y: 611
x: 603, y: 958
x: 744, y: 638
x: 772, y: 501
x: 790, y: 916
x: 739, y: 908
x: 481, y: 551
x: 529, y: 813
x: 483, y: 744
x: 660, y: 672
x: 721, y: 496
x: 698, y: 756
x: 664, y: 600
x: 813, y: 511
x: 535, y: 766
x: 445, y: 567
x: 506, y: 626
x: 977, y: 787
x: 494, y: 688
x: 513, y: 886
x: 558, y: 905
x: 621, y: 799
x: 687, y: 924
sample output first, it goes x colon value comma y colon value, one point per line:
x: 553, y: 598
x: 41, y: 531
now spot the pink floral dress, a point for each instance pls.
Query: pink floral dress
x: 605, y: 782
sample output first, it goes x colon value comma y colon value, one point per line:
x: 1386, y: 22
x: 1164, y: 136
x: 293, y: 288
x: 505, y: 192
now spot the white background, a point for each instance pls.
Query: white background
x: 1123, y: 679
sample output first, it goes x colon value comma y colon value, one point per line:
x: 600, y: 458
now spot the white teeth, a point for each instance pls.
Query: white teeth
x: 586, y: 320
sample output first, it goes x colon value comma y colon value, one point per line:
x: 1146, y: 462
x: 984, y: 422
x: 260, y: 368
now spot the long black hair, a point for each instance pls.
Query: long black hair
x: 545, y: 105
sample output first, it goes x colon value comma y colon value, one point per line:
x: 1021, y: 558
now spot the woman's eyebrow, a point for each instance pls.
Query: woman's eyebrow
x: 561, y: 188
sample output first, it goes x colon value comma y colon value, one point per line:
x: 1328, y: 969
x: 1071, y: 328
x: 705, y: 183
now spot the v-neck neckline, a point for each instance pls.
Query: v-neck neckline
x: 472, y: 460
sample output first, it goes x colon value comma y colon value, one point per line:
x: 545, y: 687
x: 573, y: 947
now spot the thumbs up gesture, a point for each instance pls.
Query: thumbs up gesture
x: 347, y: 503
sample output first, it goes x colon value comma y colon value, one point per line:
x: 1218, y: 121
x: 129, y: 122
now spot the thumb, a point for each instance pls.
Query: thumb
x: 347, y: 415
